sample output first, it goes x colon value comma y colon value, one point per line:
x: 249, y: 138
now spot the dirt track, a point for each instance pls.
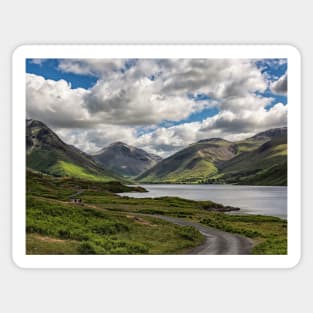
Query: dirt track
x: 217, y: 241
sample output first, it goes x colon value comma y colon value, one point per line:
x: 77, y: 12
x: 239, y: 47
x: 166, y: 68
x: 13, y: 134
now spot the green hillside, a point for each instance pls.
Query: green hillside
x: 266, y: 165
x: 192, y: 164
x: 47, y: 153
x: 56, y: 226
x: 106, y: 223
x: 259, y: 160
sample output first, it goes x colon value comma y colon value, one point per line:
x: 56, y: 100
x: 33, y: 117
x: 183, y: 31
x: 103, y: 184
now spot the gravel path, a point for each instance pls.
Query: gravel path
x: 217, y: 241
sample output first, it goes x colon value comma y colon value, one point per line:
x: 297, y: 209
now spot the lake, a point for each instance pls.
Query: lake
x: 250, y: 199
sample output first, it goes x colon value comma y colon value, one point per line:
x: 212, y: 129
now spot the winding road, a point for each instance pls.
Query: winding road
x: 217, y: 241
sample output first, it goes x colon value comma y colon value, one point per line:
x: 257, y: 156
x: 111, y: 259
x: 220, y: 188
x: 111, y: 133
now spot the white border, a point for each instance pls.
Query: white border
x: 157, y: 51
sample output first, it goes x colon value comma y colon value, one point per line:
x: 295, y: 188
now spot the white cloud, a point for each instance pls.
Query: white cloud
x: 280, y: 86
x: 136, y: 103
x: 92, y: 140
x: 136, y: 94
x: 226, y: 124
x: 95, y: 67
x: 38, y: 61
x: 55, y: 102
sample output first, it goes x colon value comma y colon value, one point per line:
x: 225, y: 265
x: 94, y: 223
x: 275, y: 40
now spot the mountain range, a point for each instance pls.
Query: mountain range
x: 259, y: 160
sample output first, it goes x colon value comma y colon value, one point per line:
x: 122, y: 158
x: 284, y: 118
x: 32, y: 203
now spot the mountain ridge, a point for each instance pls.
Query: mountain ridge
x: 46, y: 152
x: 125, y: 159
x: 216, y: 160
x: 260, y: 159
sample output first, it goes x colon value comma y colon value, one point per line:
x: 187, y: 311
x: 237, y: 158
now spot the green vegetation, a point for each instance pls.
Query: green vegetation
x: 56, y: 226
x: 269, y: 233
x: 265, y: 166
x: 107, y: 223
x: 62, y: 168
x: 192, y: 164
x: 190, y: 175
x: 47, y: 153
x: 259, y: 160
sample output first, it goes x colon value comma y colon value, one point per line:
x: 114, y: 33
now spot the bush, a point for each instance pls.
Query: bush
x: 86, y: 248
x: 188, y: 233
x: 64, y: 234
x: 110, y: 228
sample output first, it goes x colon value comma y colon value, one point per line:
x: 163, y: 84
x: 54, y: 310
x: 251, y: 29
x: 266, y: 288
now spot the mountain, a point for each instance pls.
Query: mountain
x: 126, y: 160
x: 46, y: 152
x: 192, y: 164
x: 259, y: 160
x: 264, y: 165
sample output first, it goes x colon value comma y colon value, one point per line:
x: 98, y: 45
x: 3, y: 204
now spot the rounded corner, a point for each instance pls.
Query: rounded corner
x: 294, y: 51
x: 18, y: 262
x: 19, y: 51
x: 294, y: 262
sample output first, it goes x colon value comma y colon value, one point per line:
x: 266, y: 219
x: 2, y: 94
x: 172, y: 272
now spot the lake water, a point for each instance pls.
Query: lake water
x: 250, y: 199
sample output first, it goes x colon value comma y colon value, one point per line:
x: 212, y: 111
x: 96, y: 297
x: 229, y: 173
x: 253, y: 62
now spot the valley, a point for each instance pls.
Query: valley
x: 104, y: 221
x: 259, y: 160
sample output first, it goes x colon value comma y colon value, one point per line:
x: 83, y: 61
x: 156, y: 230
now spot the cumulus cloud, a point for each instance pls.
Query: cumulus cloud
x: 225, y: 124
x: 92, y: 140
x: 134, y: 95
x: 280, y: 86
x: 136, y: 103
x: 149, y: 91
x: 55, y: 102
x: 93, y: 67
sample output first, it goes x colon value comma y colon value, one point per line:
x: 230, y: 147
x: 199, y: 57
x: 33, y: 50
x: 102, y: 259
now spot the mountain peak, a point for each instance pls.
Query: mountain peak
x: 47, y: 153
x: 125, y: 159
x: 212, y: 140
x: 272, y: 133
x: 119, y: 143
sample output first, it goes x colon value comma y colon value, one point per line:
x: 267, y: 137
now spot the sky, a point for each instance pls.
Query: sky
x: 160, y: 105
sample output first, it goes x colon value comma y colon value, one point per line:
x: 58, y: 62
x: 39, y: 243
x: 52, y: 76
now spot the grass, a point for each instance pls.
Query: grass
x: 269, y: 233
x: 196, y: 174
x: 254, y: 162
x: 38, y: 244
x: 110, y: 224
x: 62, y: 168
x: 55, y: 226
x: 192, y: 173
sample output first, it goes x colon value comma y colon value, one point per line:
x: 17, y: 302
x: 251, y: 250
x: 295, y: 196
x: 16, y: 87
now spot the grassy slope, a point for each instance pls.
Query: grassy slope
x: 266, y: 165
x: 269, y: 233
x: 62, y: 168
x: 258, y: 160
x: 55, y: 226
x: 191, y: 165
x: 47, y: 153
x: 107, y: 223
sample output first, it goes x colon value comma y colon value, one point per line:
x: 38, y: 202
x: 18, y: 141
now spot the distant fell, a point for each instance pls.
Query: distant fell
x: 126, y: 160
x: 258, y: 160
x: 192, y: 164
x: 47, y: 153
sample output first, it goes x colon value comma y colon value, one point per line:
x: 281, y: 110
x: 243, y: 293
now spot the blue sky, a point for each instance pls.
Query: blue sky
x: 121, y: 93
x: 48, y: 68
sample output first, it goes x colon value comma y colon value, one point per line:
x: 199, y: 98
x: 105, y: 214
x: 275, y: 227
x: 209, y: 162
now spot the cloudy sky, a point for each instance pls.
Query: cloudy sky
x: 158, y: 105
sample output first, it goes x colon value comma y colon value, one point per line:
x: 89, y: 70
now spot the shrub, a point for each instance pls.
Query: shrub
x: 86, y: 248
x: 188, y: 233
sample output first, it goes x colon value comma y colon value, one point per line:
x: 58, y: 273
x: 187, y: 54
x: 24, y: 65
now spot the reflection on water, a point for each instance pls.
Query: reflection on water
x: 250, y: 199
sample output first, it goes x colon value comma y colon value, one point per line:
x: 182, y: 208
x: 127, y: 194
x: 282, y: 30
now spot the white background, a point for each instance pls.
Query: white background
x: 286, y: 22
